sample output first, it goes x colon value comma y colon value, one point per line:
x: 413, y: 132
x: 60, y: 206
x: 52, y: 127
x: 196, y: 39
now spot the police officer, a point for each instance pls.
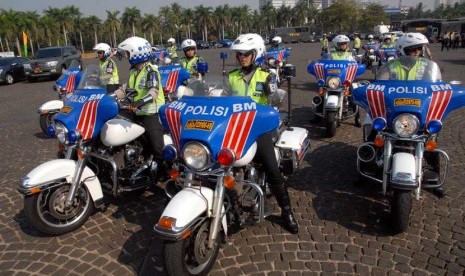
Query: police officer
x: 357, y: 43
x: 387, y: 42
x: 172, y: 50
x: 145, y: 79
x: 108, y: 69
x: 341, y: 49
x: 257, y: 83
x: 190, y: 59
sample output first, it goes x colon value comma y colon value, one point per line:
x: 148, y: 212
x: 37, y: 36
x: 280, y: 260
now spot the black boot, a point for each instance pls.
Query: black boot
x: 289, y: 221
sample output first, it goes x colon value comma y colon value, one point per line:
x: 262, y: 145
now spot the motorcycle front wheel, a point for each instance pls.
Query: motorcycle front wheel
x: 45, y: 120
x: 401, y: 207
x: 191, y: 256
x: 47, y: 212
x: 331, y: 124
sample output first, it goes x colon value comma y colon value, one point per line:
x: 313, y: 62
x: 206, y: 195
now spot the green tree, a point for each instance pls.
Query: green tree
x: 131, y: 17
x: 374, y: 17
x: 203, y: 15
x: 114, y: 24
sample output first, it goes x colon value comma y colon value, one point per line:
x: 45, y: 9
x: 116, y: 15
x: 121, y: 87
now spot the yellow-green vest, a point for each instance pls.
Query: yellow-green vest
x: 114, y: 78
x: 357, y: 43
x: 335, y: 55
x: 398, y: 72
x: 172, y: 51
x: 138, y: 81
x: 189, y: 64
x: 239, y: 87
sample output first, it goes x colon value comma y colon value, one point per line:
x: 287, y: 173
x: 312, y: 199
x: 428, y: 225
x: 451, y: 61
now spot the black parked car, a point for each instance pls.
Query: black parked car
x: 201, y: 44
x: 13, y: 69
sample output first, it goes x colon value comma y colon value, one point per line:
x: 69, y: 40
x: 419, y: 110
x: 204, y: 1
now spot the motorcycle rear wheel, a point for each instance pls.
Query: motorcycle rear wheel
x: 401, y: 207
x: 191, y: 256
x: 46, y: 210
x: 331, y: 124
x: 45, y: 120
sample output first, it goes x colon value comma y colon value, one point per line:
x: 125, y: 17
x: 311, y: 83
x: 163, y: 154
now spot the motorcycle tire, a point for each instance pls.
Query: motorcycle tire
x: 331, y: 124
x: 191, y: 256
x: 45, y: 121
x: 358, y: 122
x: 46, y: 211
x: 401, y: 207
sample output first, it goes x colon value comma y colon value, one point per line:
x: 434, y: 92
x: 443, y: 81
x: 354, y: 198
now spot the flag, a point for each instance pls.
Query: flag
x: 25, y: 43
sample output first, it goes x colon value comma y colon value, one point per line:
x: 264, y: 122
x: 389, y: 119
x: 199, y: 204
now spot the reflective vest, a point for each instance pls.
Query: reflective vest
x: 390, y: 45
x: 324, y: 43
x: 399, y: 72
x: 357, y: 43
x: 189, y: 64
x: 172, y: 51
x: 142, y: 81
x: 255, y: 88
x: 109, y: 71
x: 338, y: 55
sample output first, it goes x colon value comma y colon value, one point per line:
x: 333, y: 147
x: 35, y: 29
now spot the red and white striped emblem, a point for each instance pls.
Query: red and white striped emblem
x: 172, y: 81
x: 319, y: 71
x: 87, y: 119
x: 280, y: 56
x: 174, y: 121
x: 376, y: 103
x: 439, y: 102
x: 70, y: 82
x: 351, y: 71
x: 237, y: 131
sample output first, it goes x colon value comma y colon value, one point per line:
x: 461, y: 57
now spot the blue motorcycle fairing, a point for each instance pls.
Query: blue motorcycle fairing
x: 159, y: 54
x: 385, y: 53
x: 218, y: 122
x: 172, y: 76
x: 87, y: 110
x: 70, y: 79
x: 277, y: 54
x: 344, y: 69
x: 427, y: 100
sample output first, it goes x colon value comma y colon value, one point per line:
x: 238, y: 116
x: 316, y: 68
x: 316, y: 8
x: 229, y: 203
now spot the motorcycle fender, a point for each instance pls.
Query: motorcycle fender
x: 54, y: 105
x: 188, y: 204
x: 47, y: 173
x: 117, y: 132
x: 403, y: 170
x: 332, y: 102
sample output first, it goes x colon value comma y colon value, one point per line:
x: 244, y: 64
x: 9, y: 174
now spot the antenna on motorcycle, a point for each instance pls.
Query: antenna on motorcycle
x: 224, y: 56
x: 289, y: 72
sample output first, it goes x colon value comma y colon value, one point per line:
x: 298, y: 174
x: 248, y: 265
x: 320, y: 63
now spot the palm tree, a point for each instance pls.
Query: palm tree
x: 203, y: 14
x: 269, y: 13
x: 11, y: 25
x: 222, y: 18
x: 63, y: 17
x: 31, y: 22
x: 149, y: 24
x: 131, y: 17
x: 113, y: 23
x: 188, y: 16
x: 93, y: 22
x: 48, y: 28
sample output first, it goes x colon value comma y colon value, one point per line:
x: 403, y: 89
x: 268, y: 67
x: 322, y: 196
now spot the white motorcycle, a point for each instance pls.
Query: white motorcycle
x: 215, y: 185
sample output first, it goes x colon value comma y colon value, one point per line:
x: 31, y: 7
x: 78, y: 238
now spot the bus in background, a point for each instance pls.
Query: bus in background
x: 292, y: 34
x: 434, y: 29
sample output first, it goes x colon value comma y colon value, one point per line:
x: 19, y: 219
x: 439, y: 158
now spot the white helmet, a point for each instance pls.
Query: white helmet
x: 277, y: 40
x: 249, y: 42
x: 410, y: 41
x: 103, y: 47
x: 340, y: 39
x: 171, y: 40
x: 188, y: 43
x: 387, y: 36
x: 138, y: 49
x: 370, y: 36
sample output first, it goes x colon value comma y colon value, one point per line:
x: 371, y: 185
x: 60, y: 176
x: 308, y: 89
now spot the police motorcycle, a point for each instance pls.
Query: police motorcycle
x: 400, y: 149
x: 105, y: 156
x: 334, y: 78
x: 370, y: 57
x: 64, y: 85
x: 383, y: 55
x: 160, y: 56
x: 275, y: 60
x: 215, y: 186
x: 173, y: 77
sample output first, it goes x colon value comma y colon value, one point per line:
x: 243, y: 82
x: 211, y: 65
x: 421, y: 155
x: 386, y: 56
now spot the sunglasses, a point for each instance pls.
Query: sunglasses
x: 189, y: 49
x: 246, y: 54
x: 100, y: 52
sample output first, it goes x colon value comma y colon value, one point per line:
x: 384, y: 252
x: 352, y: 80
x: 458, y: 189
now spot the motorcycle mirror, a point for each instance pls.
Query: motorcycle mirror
x: 455, y: 82
x: 224, y: 55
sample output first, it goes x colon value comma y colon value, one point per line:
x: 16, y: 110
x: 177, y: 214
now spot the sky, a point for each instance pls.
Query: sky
x: 99, y: 7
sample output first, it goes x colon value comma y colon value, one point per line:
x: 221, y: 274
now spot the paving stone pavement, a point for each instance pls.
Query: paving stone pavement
x: 343, y: 227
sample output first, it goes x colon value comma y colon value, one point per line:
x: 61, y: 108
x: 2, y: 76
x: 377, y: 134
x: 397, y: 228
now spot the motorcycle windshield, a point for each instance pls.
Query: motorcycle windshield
x: 344, y: 69
x: 233, y: 122
x: 70, y: 78
x: 427, y: 99
x: 89, y: 107
x: 172, y: 76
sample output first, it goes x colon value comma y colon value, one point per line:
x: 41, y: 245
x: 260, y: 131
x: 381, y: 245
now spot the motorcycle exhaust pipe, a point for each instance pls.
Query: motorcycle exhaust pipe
x: 366, y: 152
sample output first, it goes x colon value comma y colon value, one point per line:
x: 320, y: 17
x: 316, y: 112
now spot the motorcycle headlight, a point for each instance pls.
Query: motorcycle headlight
x: 333, y: 82
x: 405, y: 125
x: 196, y: 156
x: 61, y: 133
